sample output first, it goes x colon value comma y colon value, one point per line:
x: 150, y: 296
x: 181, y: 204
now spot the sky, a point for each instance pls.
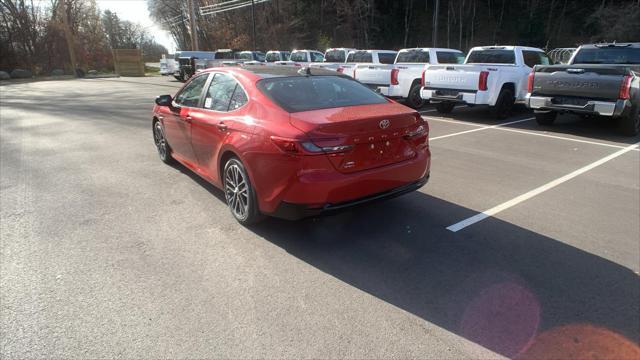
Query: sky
x: 136, y: 11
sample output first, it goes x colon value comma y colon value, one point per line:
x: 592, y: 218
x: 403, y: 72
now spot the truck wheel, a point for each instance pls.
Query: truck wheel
x: 414, y: 100
x: 504, y: 104
x: 630, y: 124
x: 545, y: 118
x: 445, y: 107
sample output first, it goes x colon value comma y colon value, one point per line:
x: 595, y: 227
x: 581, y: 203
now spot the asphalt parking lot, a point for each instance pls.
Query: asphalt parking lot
x: 107, y: 252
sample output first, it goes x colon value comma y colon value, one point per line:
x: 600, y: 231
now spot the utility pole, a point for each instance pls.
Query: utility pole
x: 435, y: 23
x: 253, y: 21
x: 69, y: 36
x: 193, y: 24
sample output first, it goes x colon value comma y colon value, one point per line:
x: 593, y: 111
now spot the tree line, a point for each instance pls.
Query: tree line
x: 32, y: 36
x: 393, y: 24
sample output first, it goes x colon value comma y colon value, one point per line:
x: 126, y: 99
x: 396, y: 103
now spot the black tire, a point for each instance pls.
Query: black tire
x: 445, y: 107
x: 414, y: 100
x: 239, y: 193
x: 164, y: 150
x: 504, y: 104
x: 545, y: 118
x: 630, y: 124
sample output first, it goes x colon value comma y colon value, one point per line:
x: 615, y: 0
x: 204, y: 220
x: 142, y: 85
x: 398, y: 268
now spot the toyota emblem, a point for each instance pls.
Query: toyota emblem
x: 384, y: 124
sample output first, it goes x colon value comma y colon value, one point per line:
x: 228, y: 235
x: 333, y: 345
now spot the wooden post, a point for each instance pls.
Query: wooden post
x: 69, y: 36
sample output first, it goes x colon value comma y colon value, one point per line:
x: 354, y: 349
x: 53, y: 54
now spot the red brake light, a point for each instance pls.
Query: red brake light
x: 625, y: 88
x: 482, y: 81
x: 288, y: 146
x: 532, y: 76
x: 301, y: 147
x: 422, y: 82
x: 394, y: 76
x: 340, y: 69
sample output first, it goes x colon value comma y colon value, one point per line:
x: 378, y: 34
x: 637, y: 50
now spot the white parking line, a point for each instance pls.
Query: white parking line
x: 480, y: 129
x: 525, y: 132
x: 528, y: 195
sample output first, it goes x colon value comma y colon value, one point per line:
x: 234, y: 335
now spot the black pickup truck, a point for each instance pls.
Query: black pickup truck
x: 600, y: 79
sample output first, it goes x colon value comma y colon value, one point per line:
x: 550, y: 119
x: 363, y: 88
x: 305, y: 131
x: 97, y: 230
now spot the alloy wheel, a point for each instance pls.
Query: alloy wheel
x: 161, y: 143
x: 236, y: 191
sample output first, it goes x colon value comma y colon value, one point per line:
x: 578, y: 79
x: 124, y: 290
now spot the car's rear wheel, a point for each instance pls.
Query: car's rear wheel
x: 414, y: 100
x: 630, y: 124
x: 445, y: 107
x: 164, y: 151
x: 545, y: 118
x: 239, y: 193
x: 504, y: 104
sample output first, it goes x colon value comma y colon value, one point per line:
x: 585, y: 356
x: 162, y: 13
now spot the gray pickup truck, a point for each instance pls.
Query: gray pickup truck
x: 600, y: 79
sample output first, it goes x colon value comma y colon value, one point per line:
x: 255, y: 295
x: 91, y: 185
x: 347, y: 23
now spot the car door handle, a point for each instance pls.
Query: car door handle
x: 222, y: 127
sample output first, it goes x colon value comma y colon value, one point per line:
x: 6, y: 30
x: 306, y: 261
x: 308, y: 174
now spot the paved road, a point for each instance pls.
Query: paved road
x: 107, y: 252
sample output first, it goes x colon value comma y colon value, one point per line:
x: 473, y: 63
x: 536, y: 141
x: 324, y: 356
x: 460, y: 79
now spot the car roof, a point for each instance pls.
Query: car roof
x: 601, y: 45
x: 284, y: 71
x: 427, y: 49
x: 506, y: 47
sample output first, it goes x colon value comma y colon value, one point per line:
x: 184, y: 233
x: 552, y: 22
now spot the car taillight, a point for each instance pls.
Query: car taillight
x: 354, y: 72
x: 532, y: 76
x: 301, y: 147
x: 625, y: 88
x: 422, y: 82
x: 482, y: 81
x: 394, y: 76
x: 340, y: 69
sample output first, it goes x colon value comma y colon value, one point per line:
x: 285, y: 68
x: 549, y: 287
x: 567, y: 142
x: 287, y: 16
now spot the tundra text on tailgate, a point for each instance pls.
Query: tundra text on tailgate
x: 601, y: 79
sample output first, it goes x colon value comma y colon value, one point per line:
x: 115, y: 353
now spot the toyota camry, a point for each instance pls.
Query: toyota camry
x: 291, y: 142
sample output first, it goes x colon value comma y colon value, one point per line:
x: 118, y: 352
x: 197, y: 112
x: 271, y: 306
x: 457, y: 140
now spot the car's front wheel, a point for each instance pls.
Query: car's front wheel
x: 239, y: 193
x: 164, y: 151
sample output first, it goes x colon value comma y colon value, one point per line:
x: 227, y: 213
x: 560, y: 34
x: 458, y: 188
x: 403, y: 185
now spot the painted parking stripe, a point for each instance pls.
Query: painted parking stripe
x: 533, y: 133
x: 480, y: 129
x: 528, y: 195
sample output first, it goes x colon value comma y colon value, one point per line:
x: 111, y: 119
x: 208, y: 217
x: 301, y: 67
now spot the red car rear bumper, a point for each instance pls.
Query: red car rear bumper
x: 325, y: 190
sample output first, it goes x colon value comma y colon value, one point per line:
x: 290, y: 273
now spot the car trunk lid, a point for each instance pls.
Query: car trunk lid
x: 592, y: 81
x: 376, y: 134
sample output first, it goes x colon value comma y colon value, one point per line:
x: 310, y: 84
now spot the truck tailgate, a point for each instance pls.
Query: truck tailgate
x: 585, y: 81
x: 455, y: 77
x: 374, y: 74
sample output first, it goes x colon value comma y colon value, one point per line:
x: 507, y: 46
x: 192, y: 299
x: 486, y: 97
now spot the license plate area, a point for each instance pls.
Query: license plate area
x: 563, y: 100
x: 448, y: 93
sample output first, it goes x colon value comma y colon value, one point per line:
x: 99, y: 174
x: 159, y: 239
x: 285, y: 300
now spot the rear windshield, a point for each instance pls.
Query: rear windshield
x: 360, y: 57
x: 336, y: 56
x: 610, y: 55
x: 413, y: 56
x: 386, y: 58
x: 492, y: 57
x: 299, y: 56
x: 450, y: 57
x: 246, y: 56
x: 304, y: 93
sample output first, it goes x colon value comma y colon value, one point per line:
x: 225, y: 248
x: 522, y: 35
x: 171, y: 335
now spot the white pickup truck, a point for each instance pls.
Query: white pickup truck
x: 302, y: 57
x: 491, y: 75
x: 371, y: 59
x: 333, y: 59
x: 402, y: 80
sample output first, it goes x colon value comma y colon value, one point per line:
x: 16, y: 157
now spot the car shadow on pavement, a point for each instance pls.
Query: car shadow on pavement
x: 496, y: 284
x: 501, y: 286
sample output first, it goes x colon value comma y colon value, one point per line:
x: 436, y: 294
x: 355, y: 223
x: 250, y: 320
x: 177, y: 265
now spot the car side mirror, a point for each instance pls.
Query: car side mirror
x: 164, y: 100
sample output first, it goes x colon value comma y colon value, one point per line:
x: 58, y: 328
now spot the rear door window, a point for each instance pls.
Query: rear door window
x: 386, y: 58
x: 335, y: 56
x: 192, y: 92
x: 413, y: 56
x: 450, y: 57
x: 533, y: 58
x: 220, y: 92
x: 299, y: 56
x: 492, y: 57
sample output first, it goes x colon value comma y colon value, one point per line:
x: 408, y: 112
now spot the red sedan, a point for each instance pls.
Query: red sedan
x: 290, y: 142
